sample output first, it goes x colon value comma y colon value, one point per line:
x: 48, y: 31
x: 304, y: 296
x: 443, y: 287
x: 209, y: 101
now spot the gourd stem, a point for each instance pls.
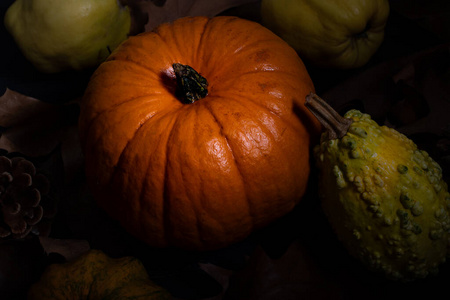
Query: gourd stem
x: 191, y: 86
x: 336, y: 126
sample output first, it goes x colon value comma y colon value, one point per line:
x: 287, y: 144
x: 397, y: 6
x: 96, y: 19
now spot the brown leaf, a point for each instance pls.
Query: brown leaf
x: 221, y: 275
x: 426, y: 73
x: 28, y: 124
x: 17, y: 109
x: 33, y: 127
x: 295, y: 275
x: 170, y: 10
x: 68, y: 248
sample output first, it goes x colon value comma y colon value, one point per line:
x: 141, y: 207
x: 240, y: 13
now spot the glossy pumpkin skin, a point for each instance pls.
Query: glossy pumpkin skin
x: 96, y: 276
x: 202, y: 175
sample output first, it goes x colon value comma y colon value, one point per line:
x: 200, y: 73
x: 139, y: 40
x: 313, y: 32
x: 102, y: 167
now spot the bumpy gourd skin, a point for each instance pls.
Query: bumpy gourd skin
x: 59, y: 35
x: 96, y: 276
x: 385, y: 199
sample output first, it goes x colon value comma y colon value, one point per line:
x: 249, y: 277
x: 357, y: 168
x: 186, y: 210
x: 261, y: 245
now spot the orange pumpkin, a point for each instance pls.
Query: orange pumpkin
x: 206, y: 174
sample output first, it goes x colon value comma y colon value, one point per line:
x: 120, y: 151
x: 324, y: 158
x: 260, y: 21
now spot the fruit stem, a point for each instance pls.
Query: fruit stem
x: 335, y: 125
x: 190, y: 84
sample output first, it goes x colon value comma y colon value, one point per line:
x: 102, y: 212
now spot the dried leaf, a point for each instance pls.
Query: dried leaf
x: 68, y: 248
x: 427, y: 72
x: 295, y: 275
x: 17, y: 109
x: 35, y: 128
x: 170, y: 10
x: 221, y: 275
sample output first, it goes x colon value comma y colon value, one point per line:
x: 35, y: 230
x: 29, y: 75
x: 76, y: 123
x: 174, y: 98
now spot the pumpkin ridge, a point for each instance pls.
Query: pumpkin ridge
x: 271, y: 112
x: 240, y: 100
x: 265, y: 129
x: 129, y: 44
x: 167, y: 228
x: 230, y: 56
x: 166, y: 43
x: 201, y: 203
x: 250, y: 46
x: 118, y: 105
x: 99, y: 115
x: 238, y: 167
x: 225, y: 84
x: 173, y: 39
x: 295, y: 105
x: 204, y: 44
x: 198, y: 52
x: 133, y: 62
x: 260, y: 106
x: 115, y: 173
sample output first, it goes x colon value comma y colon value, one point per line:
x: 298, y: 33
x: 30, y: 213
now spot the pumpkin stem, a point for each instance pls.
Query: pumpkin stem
x: 191, y: 85
x: 335, y: 125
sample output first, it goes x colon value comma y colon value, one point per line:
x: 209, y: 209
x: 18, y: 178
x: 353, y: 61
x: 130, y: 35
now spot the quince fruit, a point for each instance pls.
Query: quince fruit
x: 59, y: 35
x: 333, y: 33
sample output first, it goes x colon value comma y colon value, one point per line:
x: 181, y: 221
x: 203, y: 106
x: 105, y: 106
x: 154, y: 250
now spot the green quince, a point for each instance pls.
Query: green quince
x: 332, y: 33
x: 59, y: 35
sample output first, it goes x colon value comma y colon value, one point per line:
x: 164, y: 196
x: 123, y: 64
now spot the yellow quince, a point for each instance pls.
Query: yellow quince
x: 59, y: 35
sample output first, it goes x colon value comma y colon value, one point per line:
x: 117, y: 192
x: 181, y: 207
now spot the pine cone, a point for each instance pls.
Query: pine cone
x: 24, y: 205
